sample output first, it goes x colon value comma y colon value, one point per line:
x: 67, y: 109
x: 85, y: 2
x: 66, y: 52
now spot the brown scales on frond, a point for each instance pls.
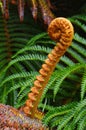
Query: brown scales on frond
x: 35, y: 6
x: 60, y: 30
x: 12, y: 119
x: 5, y: 8
x: 21, y: 9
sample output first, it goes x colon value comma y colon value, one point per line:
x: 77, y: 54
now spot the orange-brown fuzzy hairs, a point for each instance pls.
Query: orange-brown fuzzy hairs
x: 12, y: 119
x: 60, y: 30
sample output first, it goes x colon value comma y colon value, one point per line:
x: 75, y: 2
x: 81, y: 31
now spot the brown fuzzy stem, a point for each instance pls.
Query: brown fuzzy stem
x: 12, y: 119
x: 47, y: 14
x: 60, y: 30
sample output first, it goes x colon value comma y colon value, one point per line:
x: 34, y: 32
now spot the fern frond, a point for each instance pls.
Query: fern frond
x: 68, y: 127
x: 82, y: 124
x: 66, y: 60
x: 18, y: 76
x: 27, y: 57
x: 80, y: 17
x: 64, y: 73
x: 78, y: 58
x: 83, y: 85
x: 78, y: 117
x: 59, y: 111
x: 65, y: 120
x: 68, y: 117
x: 70, y: 114
x: 33, y: 48
x: 79, y: 39
x: 79, y: 24
x: 78, y: 48
x: 50, y: 84
x: 22, y: 85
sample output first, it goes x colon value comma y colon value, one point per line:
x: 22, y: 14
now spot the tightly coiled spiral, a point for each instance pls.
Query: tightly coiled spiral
x: 60, y: 30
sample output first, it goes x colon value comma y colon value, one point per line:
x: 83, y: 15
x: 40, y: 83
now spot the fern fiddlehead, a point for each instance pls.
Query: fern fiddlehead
x: 60, y: 30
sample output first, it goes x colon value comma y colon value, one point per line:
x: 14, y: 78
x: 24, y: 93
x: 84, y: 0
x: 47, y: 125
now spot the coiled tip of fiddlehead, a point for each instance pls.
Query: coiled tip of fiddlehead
x: 61, y: 30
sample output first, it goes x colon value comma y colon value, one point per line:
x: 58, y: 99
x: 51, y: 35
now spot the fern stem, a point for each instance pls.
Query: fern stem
x: 46, y: 12
x: 61, y: 30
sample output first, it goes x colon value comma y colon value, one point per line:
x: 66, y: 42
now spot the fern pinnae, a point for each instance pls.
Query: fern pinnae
x: 79, y: 107
x: 46, y: 41
x: 31, y: 57
x: 47, y: 107
x: 22, y: 95
x: 40, y: 49
x: 66, y: 119
x: 69, y: 126
x: 50, y: 84
x: 80, y: 17
x: 54, y: 122
x: 67, y: 60
x: 59, y: 111
x: 78, y: 48
x: 37, y: 37
x: 18, y: 105
x: 21, y: 84
x: 64, y: 73
x: 3, y: 96
x: 80, y: 39
x: 79, y: 116
x: 76, y: 55
x: 82, y: 124
x: 55, y: 113
x: 28, y: 66
x: 18, y: 76
x: 83, y: 85
x: 17, y: 67
x: 60, y: 66
x: 35, y: 48
x: 22, y: 89
x: 79, y: 24
x: 29, y: 44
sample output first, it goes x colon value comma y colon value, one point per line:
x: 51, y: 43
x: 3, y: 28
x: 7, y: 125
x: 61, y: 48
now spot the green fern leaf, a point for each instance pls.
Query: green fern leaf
x: 83, y: 85
x: 64, y: 73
